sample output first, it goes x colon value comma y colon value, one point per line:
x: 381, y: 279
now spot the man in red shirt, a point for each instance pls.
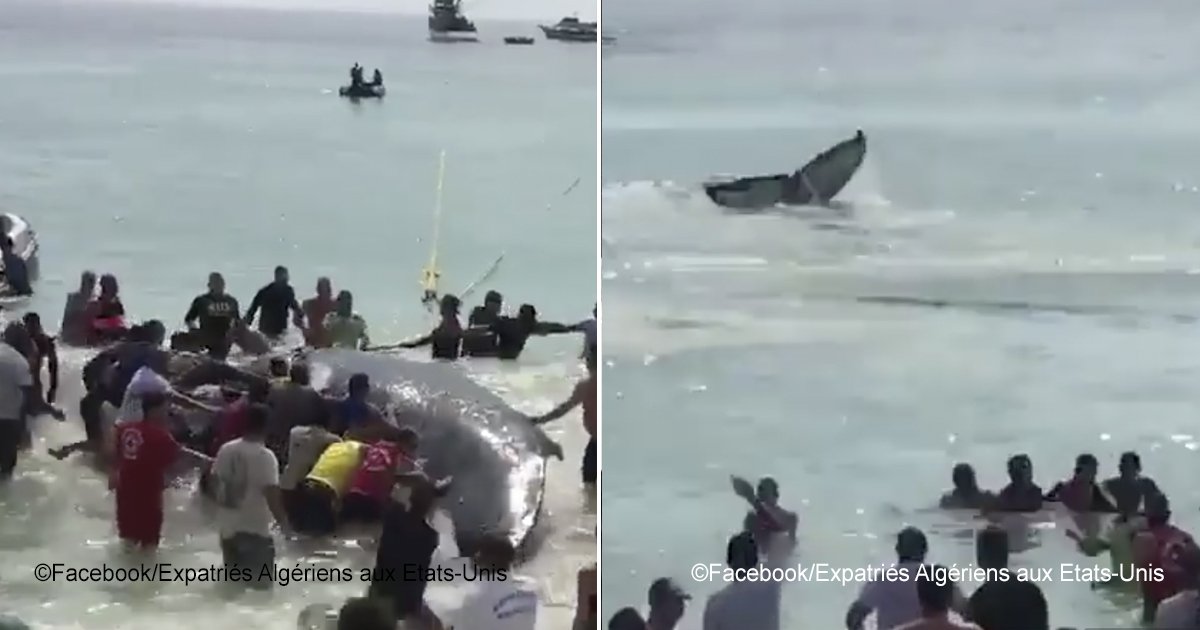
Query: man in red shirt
x: 371, y: 486
x: 1160, y: 547
x: 143, y: 450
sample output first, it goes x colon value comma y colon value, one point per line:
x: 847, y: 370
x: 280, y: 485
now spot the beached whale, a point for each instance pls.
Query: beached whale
x: 496, y: 456
x: 817, y: 183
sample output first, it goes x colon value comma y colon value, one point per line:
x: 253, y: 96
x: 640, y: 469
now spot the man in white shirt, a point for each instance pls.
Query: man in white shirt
x: 744, y: 604
x: 894, y: 601
x: 502, y: 600
x: 16, y: 396
x: 247, y: 476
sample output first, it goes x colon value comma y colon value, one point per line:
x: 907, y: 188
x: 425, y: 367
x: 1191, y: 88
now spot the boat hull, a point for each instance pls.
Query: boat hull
x: 569, y: 35
x: 364, y: 91
x: 453, y: 37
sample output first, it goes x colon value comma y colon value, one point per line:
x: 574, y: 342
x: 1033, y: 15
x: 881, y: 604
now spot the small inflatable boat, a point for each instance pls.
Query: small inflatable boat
x: 25, y: 244
x: 362, y: 91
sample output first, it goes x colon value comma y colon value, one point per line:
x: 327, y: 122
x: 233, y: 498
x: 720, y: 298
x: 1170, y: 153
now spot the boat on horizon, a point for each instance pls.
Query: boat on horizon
x: 570, y: 29
x: 447, y: 23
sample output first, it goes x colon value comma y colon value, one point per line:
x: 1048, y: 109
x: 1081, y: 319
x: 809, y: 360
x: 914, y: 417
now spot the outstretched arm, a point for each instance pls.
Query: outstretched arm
x: 193, y: 313
x: 52, y: 360
x: 254, y: 305
x: 555, y: 328
x: 574, y: 401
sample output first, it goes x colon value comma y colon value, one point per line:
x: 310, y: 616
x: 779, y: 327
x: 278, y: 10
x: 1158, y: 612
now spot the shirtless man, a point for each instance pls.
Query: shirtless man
x: 935, y: 596
x: 316, y: 309
x: 44, y: 355
x: 74, y: 327
x: 584, y: 395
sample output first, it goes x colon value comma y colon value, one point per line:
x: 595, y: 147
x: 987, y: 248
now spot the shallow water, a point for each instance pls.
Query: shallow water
x: 1011, y: 271
x: 160, y: 143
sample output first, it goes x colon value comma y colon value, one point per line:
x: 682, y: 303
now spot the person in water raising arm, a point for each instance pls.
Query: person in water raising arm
x: 275, y: 299
x: 74, y: 328
x: 16, y: 272
x: 213, y: 316
x: 345, y: 328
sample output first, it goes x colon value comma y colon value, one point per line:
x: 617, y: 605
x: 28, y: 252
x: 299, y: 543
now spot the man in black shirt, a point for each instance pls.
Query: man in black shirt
x: 505, y: 337
x: 275, y: 300
x: 1003, y: 602
x: 404, y: 560
x: 217, y: 314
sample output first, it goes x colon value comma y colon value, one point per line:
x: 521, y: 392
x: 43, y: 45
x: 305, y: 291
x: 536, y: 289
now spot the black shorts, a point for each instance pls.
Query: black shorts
x: 12, y: 433
x: 315, y: 506
x: 360, y: 508
x: 90, y: 409
x: 589, y: 462
x: 251, y: 558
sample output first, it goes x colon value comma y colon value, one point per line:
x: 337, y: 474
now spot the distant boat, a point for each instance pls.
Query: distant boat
x: 448, y: 24
x: 362, y: 90
x: 518, y: 41
x: 570, y: 29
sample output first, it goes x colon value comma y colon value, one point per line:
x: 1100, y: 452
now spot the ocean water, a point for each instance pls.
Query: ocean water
x: 160, y: 143
x: 1012, y: 270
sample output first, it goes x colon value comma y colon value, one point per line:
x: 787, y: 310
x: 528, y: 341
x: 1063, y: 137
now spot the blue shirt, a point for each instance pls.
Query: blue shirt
x: 16, y: 274
x: 354, y: 412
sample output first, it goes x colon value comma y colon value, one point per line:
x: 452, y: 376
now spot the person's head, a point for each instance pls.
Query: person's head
x: 1158, y: 509
x: 278, y: 367
x: 1020, y: 469
x: 256, y: 421
x: 1130, y: 466
x: 493, y: 302
x: 359, y: 386
x: 767, y: 491
x: 16, y: 336
x: 87, y: 282
x: 495, y: 552
x: 299, y: 375
x: 741, y: 552
x: 33, y: 324
x: 1086, y: 467
x: 6, y: 245
x: 281, y: 275
x: 964, y: 478
x: 324, y: 288
x: 911, y: 545
x: 155, y: 406
x: 108, y: 286
x: 259, y: 391
x: 361, y: 613
x: 991, y: 548
x: 154, y: 332
x: 667, y: 601
x: 527, y: 314
x: 626, y: 619
x: 216, y: 284
x: 345, y: 304
x: 450, y: 306
x: 408, y: 440
x: 935, y: 591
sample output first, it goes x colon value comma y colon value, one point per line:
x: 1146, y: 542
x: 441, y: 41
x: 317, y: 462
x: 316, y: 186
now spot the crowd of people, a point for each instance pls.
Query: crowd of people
x: 1126, y: 516
x: 277, y: 454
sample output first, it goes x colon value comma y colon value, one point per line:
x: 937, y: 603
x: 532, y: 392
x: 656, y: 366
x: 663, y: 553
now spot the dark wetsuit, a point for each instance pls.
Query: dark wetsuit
x: 274, y: 300
x: 216, y: 315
